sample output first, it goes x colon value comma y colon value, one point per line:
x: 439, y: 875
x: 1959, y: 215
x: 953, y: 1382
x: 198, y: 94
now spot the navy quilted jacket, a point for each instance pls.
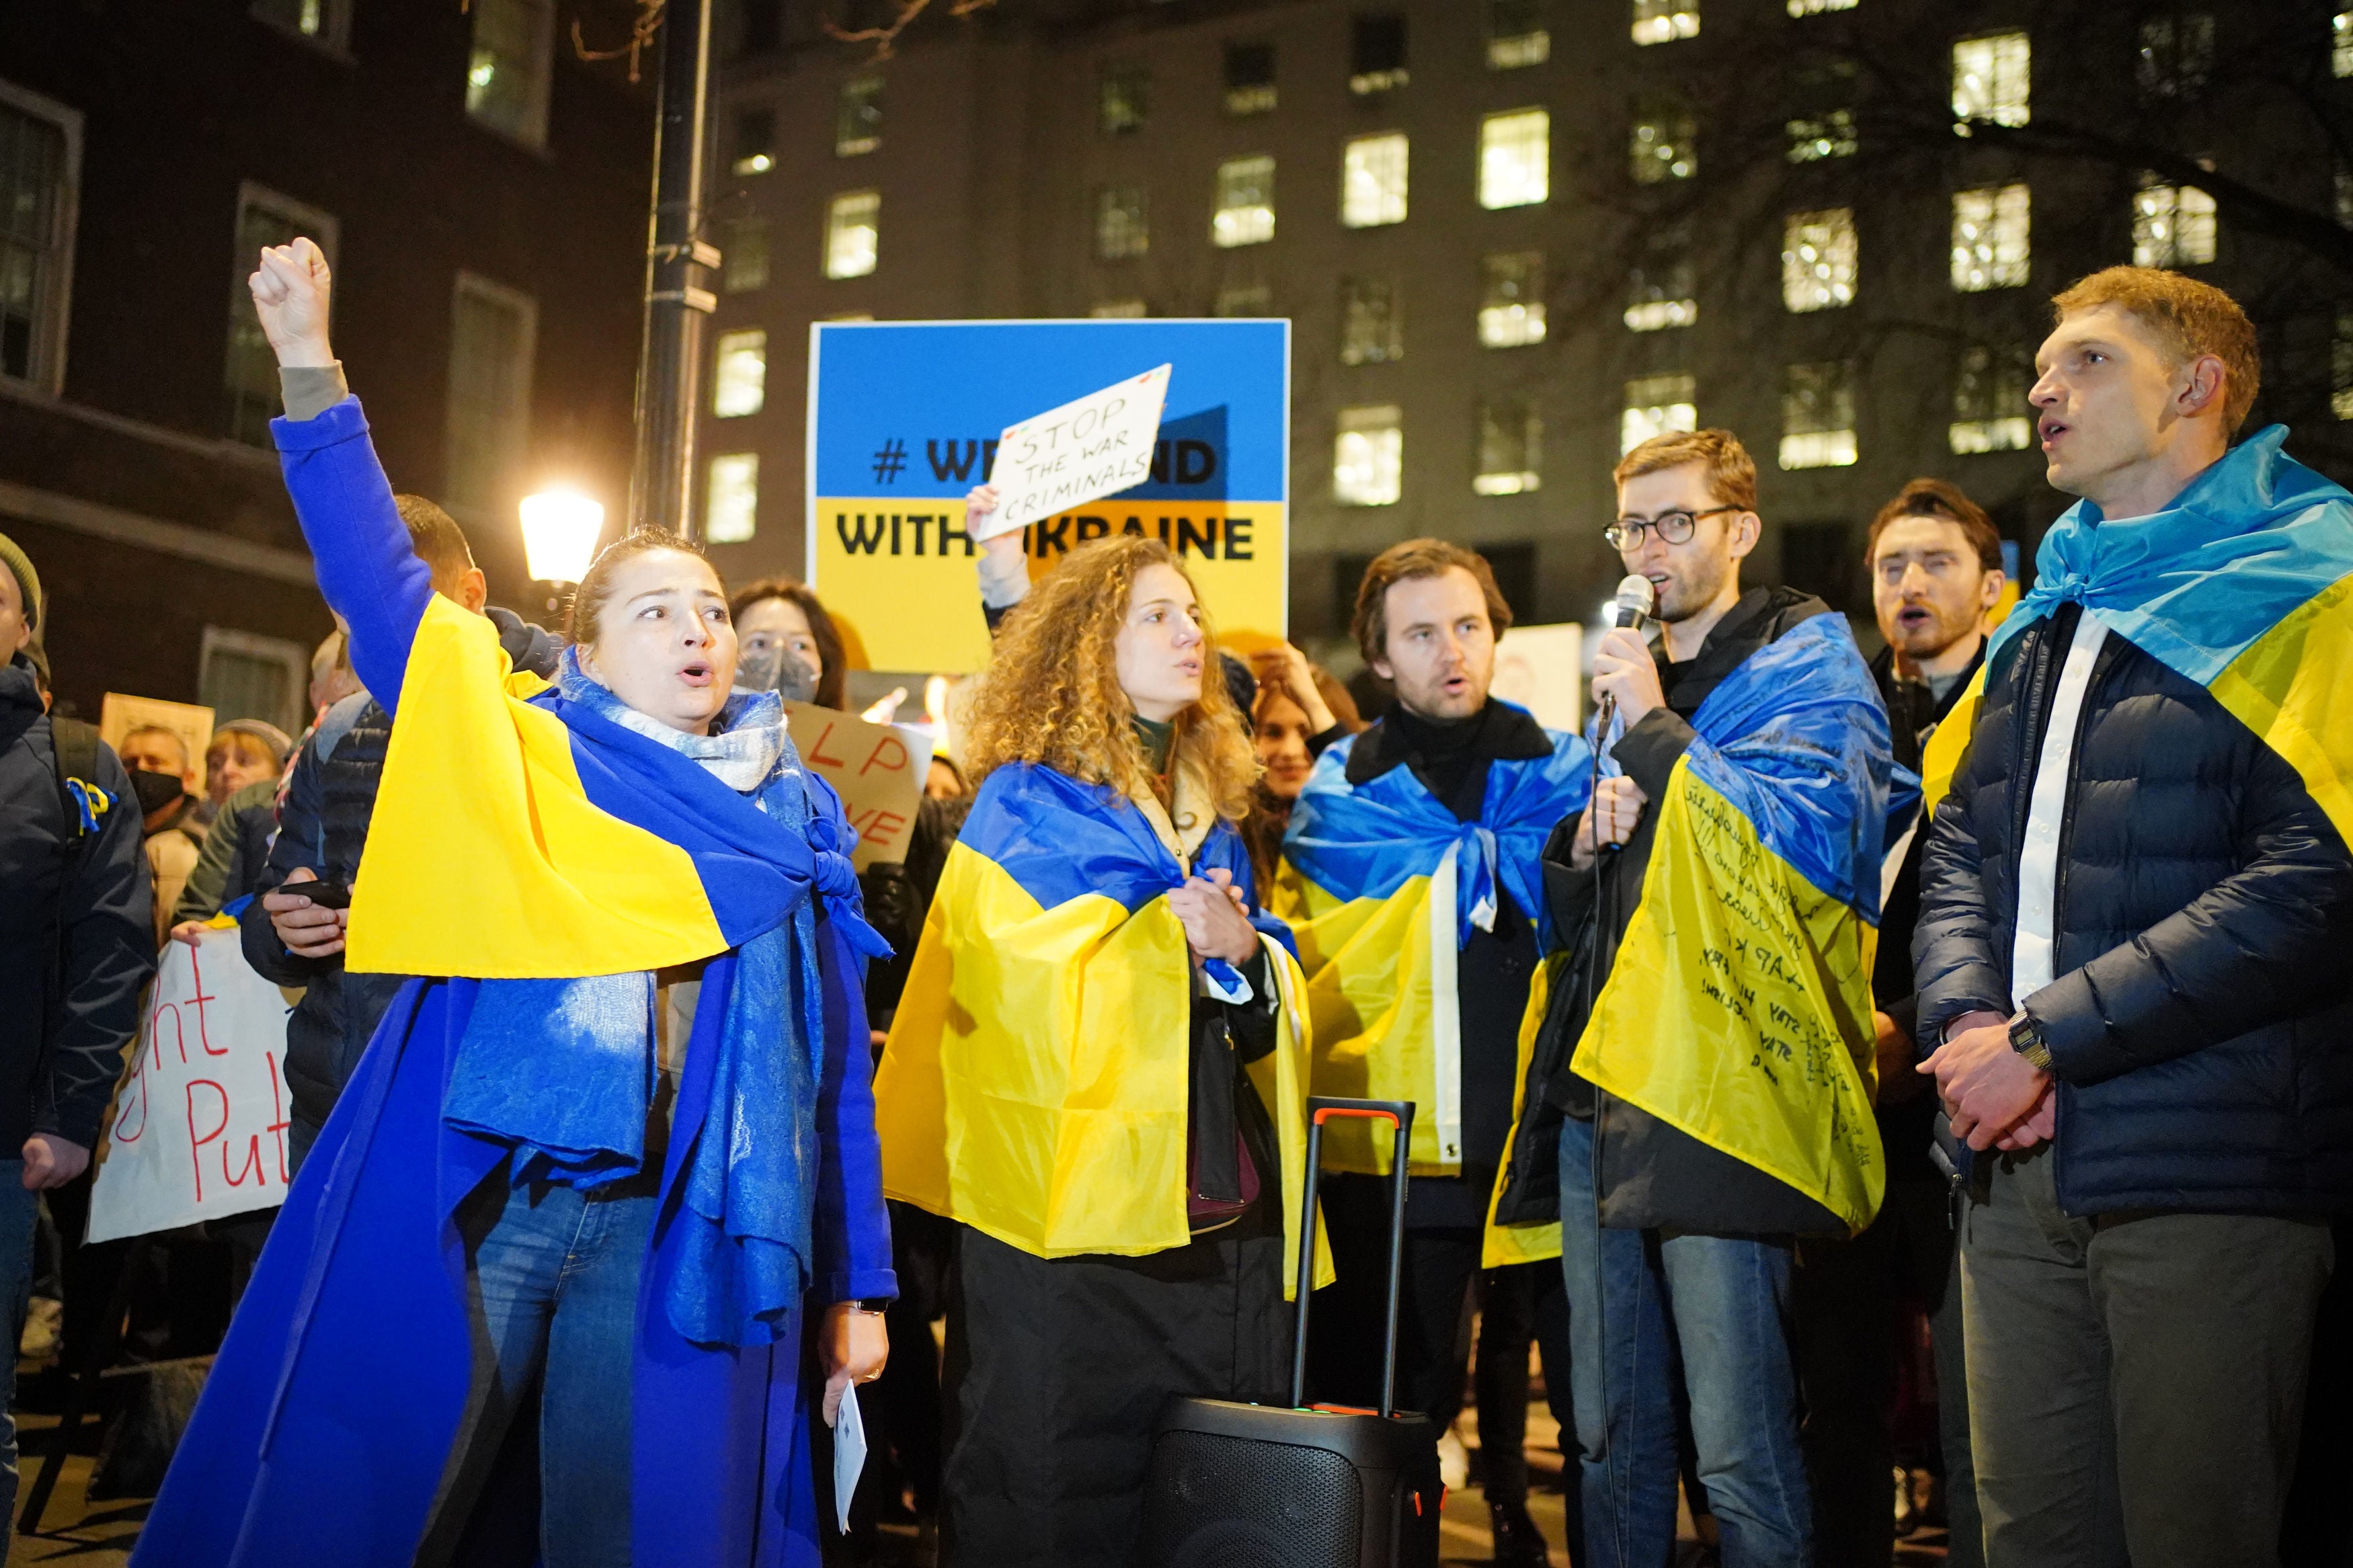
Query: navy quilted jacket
x: 2201, y: 1023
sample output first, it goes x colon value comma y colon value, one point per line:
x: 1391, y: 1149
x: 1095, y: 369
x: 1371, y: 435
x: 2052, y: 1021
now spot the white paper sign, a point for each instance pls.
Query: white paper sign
x: 199, y: 1128
x: 1096, y: 446
x: 848, y: 1453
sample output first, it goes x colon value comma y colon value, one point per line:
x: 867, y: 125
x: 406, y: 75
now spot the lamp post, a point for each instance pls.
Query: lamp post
x: 559, y: 535
x: 669, y: 369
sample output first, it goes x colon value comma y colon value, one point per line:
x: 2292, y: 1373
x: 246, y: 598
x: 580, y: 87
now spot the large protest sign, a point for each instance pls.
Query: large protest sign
x: 1089, y: 448
x: 199, y: 1124
x: 905, y: 417
x: 877, y: 768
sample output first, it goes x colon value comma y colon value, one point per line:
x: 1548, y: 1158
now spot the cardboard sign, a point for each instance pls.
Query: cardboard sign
x: 877, y: 768
x: 199, y: 1124
x: 1091, y: 448
x: 905, y: 420
x: 1542, y: 669
x: 192, y: 722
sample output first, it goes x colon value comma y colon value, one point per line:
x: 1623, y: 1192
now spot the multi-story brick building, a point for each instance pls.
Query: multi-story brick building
x: 1513, y: 234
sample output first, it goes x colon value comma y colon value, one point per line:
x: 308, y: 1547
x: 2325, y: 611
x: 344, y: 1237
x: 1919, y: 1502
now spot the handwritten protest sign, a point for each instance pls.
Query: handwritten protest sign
x: 877, y: 768
x: 1089, y: 448
x: 199, y: 1128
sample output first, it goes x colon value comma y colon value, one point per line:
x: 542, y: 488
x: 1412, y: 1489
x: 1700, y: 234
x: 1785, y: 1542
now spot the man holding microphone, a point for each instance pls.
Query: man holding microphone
x: 1705, y: 1063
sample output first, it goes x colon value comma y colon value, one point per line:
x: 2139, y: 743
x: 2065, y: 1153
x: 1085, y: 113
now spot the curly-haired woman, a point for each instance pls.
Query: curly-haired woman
x: 1089, y: 1066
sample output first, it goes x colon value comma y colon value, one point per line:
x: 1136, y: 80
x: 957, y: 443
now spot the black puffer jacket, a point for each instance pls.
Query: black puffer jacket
x: 2201, y: 1023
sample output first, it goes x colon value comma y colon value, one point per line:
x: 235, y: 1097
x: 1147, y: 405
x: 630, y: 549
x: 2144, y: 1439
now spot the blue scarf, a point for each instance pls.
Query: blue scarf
x: 562, y: 1071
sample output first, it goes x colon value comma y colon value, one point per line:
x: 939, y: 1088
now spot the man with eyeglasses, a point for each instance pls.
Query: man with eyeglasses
x: 1703, y: 1069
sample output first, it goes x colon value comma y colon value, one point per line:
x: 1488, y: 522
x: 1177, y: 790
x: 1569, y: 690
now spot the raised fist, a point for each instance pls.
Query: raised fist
x: 290, y: 294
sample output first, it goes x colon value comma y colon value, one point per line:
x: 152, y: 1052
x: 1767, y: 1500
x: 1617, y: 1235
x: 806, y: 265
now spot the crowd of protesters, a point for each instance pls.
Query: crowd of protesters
x: 689, y: 1132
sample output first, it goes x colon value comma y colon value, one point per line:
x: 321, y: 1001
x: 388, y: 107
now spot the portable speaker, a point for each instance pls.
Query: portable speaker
x: 1261, y: 1486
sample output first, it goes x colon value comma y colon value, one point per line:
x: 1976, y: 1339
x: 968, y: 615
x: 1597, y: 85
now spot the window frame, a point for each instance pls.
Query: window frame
x: 1543, y: 146
x: 1393, y: 460
x: 1267, y: 204
x: 287, y: 654
x: 305, y: 219
x: 709, y: 482
x: 534, y: 132
x: 719, y: 356
x: 833, y: 207
x: 465, y: 281
x: 53, y: 308
x: 1377, y: 212
x: 849, y: 92
x: 333, y: 38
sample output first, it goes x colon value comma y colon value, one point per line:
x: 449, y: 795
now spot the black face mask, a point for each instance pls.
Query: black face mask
x: 772, y: 668
x: 155, y: 791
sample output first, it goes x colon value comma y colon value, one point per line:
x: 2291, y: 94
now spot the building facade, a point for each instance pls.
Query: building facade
x: 1514, y: 236
x: 481, y: 193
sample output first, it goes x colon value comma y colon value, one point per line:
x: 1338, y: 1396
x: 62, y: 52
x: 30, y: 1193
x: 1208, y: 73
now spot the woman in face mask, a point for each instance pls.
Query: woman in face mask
x: 790, y: 645
x: 594, y: 1168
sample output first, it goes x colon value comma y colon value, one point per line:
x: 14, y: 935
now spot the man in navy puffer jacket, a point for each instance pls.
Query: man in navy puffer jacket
x: 2132, y: 959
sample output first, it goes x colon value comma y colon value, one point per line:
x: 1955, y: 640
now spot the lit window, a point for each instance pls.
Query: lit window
x: 755, y: 142
x: 2340, y: 43
x: 1246, y: 299
x: 263, y: 218
x: 1119, y: 310
x: 39, y: 161
x: 1372, y: 322
x: 1376, y: 54
x: 1829, y: 135
x: 852, y: 233
x: 1816, y: 7
x: 1368, y: 457
x: 1656, y: 404
x: 857, y: 118
x: 1991, y: 75
x: 1511, y: 447
x: 1664, y: 21
x: 1663, y: 291
x: 731, y: 513
x: 507, y: 72
x: 1818, y: 416
x: 745, y: 264
x: 740, y: 384
x: 1516, y: 34
x: 1245, y: 213
x: 2177, y: 54
x: 1990, y: 408
x: 1661, y: 147
x: 2173, y: 226
x: 1249, y: 78
x: 487, y: 430
x: 2340, y: 368
x: 1124, y: 98
x: 1818, y: 260
x: 1372, y: 180
x: 1514, y: 158
x: 1123, y: 223
x: 1992, y: 238
x: 1511, y: 298
x: 327, y: 23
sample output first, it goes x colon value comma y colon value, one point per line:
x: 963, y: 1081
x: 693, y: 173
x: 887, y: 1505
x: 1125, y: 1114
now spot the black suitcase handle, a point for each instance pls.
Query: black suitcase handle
x: 1399, y: 1114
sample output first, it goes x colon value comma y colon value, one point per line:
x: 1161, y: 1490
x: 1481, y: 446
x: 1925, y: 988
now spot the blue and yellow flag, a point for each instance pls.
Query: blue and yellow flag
x: 1739, y: 1007
x: 1382, y: 885
x: 1035, y: 1082
x: 2243, y: 585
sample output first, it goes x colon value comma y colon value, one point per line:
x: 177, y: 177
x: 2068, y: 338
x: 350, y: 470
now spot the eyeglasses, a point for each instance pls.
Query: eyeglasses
x: 1673, y: 527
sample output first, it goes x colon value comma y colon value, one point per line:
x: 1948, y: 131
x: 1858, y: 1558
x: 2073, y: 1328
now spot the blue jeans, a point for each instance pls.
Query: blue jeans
x: 1658, y: 1320
x: 552, y: 1288
x: 19, y: 1211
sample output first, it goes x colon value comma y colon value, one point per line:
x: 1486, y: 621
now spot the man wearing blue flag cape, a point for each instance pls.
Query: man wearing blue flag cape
x: 1411, y: 878
x: 2135, y: 909
x: 1708, y: 1063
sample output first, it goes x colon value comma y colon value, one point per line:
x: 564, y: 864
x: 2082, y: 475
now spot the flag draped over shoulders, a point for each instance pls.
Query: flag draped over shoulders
x: 1035, y: 1081
x: 2242, y: 584
x: 1738, y: 1009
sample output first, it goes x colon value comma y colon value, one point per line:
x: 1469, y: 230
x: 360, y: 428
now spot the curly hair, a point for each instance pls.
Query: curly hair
x: 1052, y: 694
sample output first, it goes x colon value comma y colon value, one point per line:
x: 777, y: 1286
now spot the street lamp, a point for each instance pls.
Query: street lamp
x: 559, y: 534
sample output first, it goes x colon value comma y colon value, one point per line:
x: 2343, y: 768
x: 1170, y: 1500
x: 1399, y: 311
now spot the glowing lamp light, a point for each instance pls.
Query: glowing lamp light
x: 559, y: 534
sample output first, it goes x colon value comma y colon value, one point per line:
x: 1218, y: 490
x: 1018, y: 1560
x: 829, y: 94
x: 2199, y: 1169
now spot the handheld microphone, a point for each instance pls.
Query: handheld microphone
x: 1637, y: 597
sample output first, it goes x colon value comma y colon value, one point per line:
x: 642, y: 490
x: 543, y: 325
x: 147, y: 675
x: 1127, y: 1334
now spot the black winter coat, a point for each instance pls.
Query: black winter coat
x: 2201, y: 1023
x: 76, y: 932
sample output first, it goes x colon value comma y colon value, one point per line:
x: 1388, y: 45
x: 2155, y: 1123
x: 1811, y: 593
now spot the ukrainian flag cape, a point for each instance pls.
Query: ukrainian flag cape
x: 2243, y: 585
x: 1034, y: 1084
x: 1739, y: 1007
x: 1382, y: 885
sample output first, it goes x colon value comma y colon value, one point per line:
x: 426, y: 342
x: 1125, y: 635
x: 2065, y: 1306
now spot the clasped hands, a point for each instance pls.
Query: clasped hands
x: 1215, y: 923
x: 1995, y: 1098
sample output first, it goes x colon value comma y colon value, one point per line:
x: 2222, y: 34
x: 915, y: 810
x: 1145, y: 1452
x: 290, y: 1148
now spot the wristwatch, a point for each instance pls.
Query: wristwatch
x: 872, y: 1307
x: 2026, y: 1039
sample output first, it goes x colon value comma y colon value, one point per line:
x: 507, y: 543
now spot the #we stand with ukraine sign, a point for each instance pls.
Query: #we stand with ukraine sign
x: 905, y: 419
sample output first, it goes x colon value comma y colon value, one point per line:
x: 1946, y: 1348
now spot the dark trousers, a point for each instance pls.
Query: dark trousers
x: 1345, y: 1325
x: 1851, y: 1297
x: 2136, y: 1381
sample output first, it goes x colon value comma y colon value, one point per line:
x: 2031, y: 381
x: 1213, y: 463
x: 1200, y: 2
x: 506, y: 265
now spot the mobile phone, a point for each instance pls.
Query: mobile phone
x: 326, y: 895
